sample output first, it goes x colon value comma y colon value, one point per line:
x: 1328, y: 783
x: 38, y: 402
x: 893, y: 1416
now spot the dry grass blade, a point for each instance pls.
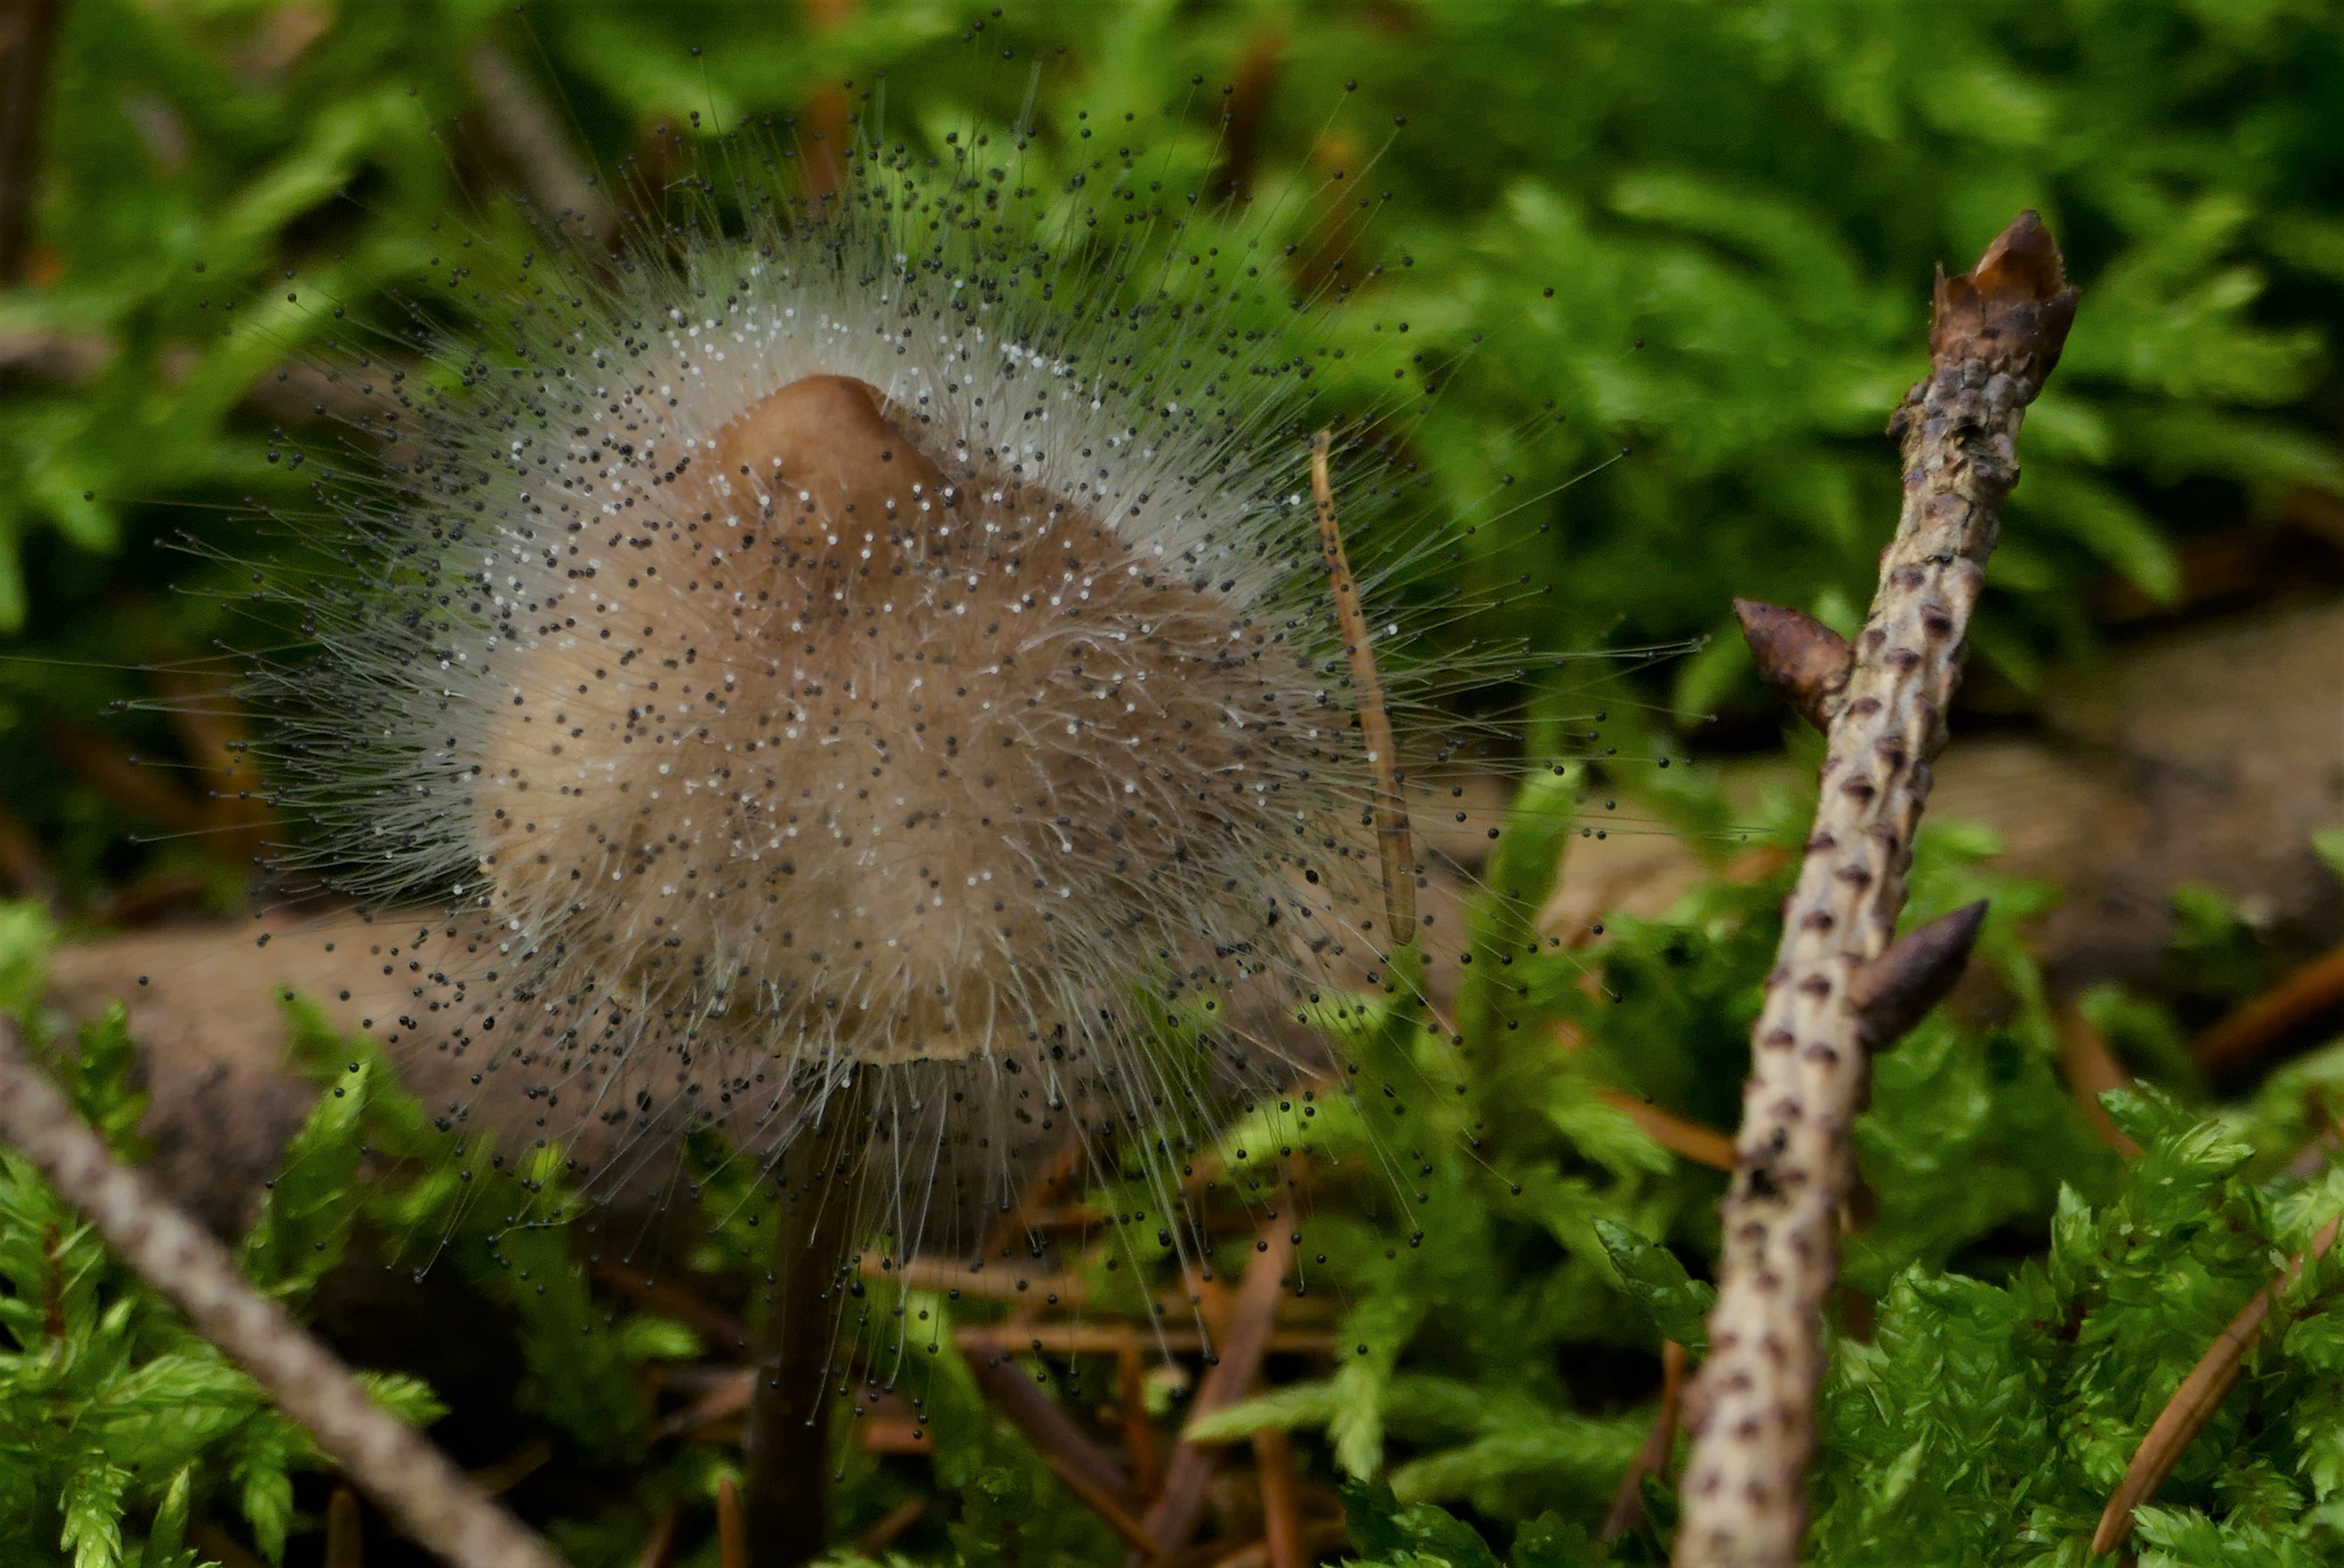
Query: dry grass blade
x: 1997, y: 333
x: 2193, y: 1404
x: 1065, y: 1338
x: 1652, y: 1456
x: 429, y: 1498
x: 27, y: 31
x: 1395, y: 846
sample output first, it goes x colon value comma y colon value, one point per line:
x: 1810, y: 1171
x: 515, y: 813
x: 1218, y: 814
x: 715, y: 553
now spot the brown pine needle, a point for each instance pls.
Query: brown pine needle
x: 1685, y: 1139
x: 2193, y: 1404
x: 1089, y: 1468
x: 731, y: 1529
x: 1241, y: 1343
x: 1281, y: 1498
x: 891, y: 1524
x: 1139, y: 1434
x: 345, y: 1532
x: 659, y: 1552
x: 2091, y: 1070
x: 1395, y: 846
x: 2315, y: 989
x: 1086, y: 1491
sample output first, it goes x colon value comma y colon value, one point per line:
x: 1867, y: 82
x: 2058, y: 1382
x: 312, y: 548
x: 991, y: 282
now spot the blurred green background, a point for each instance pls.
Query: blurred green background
x: 1735, y: 204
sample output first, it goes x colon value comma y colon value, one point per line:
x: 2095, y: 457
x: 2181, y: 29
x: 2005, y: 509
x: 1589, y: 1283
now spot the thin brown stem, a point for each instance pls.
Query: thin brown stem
x: 429, y: 1498
x: 1685, y: 1139
x: 890, y: 1526
x: 1996, y: 334
x: 724, y: 1332
x: 1138, y: 1431
x: 1395, y: 847
x: 1061, y: 1338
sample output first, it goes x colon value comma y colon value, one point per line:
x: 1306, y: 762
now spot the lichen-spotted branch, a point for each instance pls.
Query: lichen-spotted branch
x: 1996, y: 334
x: 383, y: 1457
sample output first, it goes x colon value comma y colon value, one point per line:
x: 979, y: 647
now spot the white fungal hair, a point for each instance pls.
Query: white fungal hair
x: 877, y: 647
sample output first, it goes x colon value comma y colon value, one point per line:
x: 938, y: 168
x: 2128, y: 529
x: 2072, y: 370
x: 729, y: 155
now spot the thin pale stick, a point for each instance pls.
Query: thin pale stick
x: 1395, y: 847
x: 427, y: 1496
x: 522, y: 126
x: 1996, y: 334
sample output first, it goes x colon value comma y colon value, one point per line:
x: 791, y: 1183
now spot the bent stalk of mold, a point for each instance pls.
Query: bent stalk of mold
x: 1395, y: 846
x: 1839, y: 989
x: 427, y: 1497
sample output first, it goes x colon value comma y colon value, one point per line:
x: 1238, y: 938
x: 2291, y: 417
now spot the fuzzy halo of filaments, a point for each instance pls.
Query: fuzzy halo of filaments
x: 875, y: 640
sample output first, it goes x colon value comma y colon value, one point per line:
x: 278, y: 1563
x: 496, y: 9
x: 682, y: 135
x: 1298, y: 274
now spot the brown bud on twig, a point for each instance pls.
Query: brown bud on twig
x: 1805, y: 662
x: 1891, y: 994
x: 2011, y: 311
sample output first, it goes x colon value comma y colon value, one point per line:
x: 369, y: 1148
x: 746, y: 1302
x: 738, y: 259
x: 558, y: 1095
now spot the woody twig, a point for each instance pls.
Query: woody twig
x: 1840, y: 989
x: 381, y: 1455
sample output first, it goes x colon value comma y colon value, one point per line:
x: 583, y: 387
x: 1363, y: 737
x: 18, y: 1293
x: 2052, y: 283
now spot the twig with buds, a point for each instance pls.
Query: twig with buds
x: 1839, y: 989
x: 389, y: 1462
